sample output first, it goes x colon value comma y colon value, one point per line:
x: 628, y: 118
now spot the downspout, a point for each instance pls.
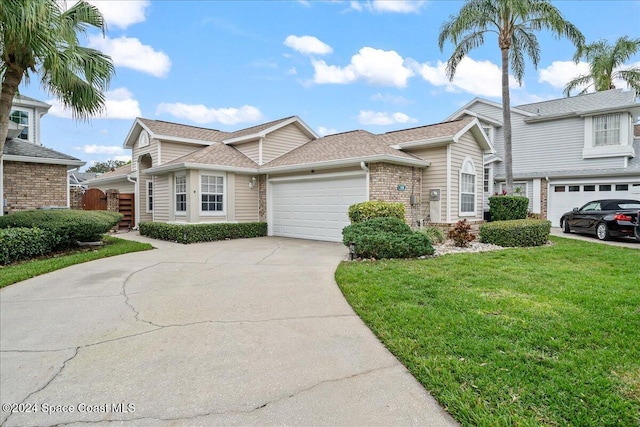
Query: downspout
x: 69, y: 187
x: 136, y: 187
x: 365, y: 168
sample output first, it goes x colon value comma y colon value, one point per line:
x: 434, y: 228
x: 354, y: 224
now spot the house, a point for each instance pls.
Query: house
x: 566, y: 151
x: 31, y: 175
x: 281, y: 172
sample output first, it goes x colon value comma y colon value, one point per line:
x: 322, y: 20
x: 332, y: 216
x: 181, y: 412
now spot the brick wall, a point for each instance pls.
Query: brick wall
x: 262, y: 198
x: 113, y: 200
x: 75, y: 195
x: 544, y: 196
x: 384, y: 179
x: 34, y: 185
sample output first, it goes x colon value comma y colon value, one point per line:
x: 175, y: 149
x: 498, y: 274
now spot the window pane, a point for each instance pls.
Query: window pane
x: 622, y: 187
x: 589, y: 188
x: 606, y: 130
x: 574, y: 188
x: 559, y: 189
x: 605, y: 188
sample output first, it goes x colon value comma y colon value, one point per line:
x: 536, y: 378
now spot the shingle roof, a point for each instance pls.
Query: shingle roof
x: 217, y: 154
x: 438, y: 130
x: 348, y: 145
x: 123, y: 171
x: 16, y: 147
x: 592, y: 101
x: 160, y: 127
x: 256, y: 129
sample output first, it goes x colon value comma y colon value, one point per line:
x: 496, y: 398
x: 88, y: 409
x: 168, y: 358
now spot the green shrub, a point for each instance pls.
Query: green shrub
x: 504, y: 208
x: 193, y: 233
x: 70, y: 226
x: 386, y: 237
x: 461, y: 234
x: 377, y: 225
x: 24, y: 243
x: 382, y: 245
x: 522, y: 232
x: 435, y: 234
x: 361, y: 212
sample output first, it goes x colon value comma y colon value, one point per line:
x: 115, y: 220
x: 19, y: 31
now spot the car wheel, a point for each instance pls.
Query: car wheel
x: 565, y: 226
x: 636, y: 232
x: 603, y: 232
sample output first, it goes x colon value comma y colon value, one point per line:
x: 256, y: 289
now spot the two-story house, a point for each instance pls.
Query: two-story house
x: 566, y: 151
x: 282, y: 173
x: 31, y: 175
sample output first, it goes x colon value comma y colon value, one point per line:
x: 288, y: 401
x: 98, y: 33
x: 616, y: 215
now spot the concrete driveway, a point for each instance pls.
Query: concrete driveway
x: 623, y: 242
x: 229, y: 333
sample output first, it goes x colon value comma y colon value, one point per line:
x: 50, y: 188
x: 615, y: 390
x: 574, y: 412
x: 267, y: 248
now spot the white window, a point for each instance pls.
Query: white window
x: 468, y: 188
x: 606, y: 130
x: 212, y: 193
x: 181, y: 194
x: 519, y: 188
x: 143, y: 139
x: 21, y: 117
x: 149, y: 196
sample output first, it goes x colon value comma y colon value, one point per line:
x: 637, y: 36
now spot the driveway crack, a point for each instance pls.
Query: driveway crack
x: 278, y: 247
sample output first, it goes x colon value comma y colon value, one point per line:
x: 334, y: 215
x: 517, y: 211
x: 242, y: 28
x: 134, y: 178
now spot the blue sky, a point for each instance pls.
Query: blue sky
x: 338, y: 65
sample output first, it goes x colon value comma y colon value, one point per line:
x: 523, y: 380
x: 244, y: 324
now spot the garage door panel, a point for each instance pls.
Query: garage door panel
x: 316, y: 208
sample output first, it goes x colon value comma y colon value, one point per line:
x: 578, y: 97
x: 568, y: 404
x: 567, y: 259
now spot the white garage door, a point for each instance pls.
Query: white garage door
x: 314, y: 208
x: 564, y: 197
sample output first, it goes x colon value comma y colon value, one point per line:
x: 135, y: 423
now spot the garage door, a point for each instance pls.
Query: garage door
x: 314, y: 208
x: 564, y: 197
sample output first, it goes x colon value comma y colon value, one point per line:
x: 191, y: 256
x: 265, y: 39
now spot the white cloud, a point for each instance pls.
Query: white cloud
x: 119, y: 13
x: 367, y: 117
x: 390, y: 99
x: 101, y: 149
x: 124, y: 158
x: 292, y: 71
x: 393, y: 6
x: 307, y: 45
x: 131, y: 53
x: 559, y: 73
x: 323, y: 131
x: 374, y: 66
x: 481, y: 78
x: 201, y: 114
x: 119, y: 104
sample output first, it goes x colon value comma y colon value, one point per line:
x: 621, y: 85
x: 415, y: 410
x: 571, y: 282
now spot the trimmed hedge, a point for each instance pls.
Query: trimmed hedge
x: 193, y: 233
x: 521, y: 232
x: 361, y: 212
x: 70, y: 226
x: 505, y: 208
x: 386, y: 238
x: 24, y: 243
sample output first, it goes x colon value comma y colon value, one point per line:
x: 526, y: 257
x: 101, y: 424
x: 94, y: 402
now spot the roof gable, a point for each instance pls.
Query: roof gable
x: 260, y: 131
x: 468, y: 107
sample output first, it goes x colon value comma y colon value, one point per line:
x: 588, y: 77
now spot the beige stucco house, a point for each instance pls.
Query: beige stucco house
x: 282, y: 173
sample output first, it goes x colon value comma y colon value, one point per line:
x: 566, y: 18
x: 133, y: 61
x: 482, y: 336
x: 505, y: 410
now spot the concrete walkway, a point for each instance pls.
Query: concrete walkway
x: 623, y: 242
x: 242, y: 332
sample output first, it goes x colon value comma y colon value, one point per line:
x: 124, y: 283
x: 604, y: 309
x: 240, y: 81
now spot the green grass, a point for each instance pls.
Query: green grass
x: 519, y: 337
x: 25, y: 270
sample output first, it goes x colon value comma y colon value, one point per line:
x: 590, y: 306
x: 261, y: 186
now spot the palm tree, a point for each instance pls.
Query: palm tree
x: 514, y: 23
x: 603, y: 60
x: 39, y: 37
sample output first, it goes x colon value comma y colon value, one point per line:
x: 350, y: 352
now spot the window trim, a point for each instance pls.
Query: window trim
x: 468, y: 168
x: 623, y: 149
x: 525, y: 184
x: 149, y: 196
x: 225, y: 194
x: 30, y: 123
x: 596, y: 131
x: 175, y: 194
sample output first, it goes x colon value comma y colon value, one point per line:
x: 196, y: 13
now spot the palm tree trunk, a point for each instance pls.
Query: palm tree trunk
x: 506, y: 120
x: 10, y: 83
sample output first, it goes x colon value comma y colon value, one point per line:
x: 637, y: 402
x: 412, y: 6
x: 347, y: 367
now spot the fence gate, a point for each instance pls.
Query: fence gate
x: 127, y: 209
x: 94, y: 200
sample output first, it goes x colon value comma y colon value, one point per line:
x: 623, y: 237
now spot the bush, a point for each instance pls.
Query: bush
x: 193, y: 233
x: 69, y: 226
x: 461, y: 234
x: 361, y: 212
x: 505, y: 208
x: 382, y: 245
x: 384, y: 225
x: 435, y: 234
x: 386, y: 238
x: 522, y: 232
x: 24, y: 243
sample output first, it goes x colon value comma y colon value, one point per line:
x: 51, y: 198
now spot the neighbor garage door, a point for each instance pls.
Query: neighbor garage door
x: 564, y: 197
x: 314, y: 207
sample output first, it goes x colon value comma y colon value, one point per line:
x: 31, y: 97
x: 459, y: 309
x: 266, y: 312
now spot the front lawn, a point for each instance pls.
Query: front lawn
x: 526, y: 337
x: 25, y: 270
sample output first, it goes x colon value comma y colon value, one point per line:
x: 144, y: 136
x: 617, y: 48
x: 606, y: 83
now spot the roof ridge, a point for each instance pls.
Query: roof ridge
x: 423, y: 126
x: 182, y: 124
x: 601, y: 92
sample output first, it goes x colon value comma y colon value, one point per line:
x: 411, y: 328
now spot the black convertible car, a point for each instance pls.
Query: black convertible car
x: 605, y: 219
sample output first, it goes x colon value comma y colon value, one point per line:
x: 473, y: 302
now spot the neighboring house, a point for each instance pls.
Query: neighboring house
x: 31, y: 175
x: 281, y: 172
x: 566, y: 151
x: 77, y: 179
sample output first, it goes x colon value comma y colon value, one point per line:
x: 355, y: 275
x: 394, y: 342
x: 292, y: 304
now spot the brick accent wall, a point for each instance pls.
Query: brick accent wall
x: 34, y: 185
x: 384, y: 179
x: 75, y: 195
x: 113, y: 200
x: 262, y: 198
x: 544, y: 197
